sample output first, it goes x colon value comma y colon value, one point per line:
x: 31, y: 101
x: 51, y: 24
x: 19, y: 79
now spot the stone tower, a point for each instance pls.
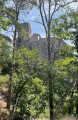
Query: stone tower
x: 27, y: 28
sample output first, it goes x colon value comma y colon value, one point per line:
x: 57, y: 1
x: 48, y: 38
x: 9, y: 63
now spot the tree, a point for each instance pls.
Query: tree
x: 28, y: 89
x: 3, y: 21
x: 47, y: 18
x: 5, y: 41
x: 30, y: 78
x: 19, y: 5
x: 66, y: 28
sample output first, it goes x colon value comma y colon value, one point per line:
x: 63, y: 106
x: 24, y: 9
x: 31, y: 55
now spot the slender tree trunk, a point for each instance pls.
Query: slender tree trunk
x: 46, y: 21
x: 11, y: 71
x: 50, y: 76
x: 47, y: 30
x: 70, y: 106
x: 77, y: 97
x: 50, y: 97
x: 9, y: 90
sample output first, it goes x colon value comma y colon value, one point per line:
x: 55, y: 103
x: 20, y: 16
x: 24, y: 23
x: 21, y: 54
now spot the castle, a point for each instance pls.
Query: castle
x: 35, y: 41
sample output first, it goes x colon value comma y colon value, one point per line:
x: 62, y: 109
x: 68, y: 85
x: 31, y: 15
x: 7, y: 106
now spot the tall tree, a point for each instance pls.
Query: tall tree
x: 66, y: 27
x: 5, y: 41
x: 19, y: 5
x: 47, y: 9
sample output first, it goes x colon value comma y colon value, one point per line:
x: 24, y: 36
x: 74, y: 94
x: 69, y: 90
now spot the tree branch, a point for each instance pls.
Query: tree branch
x: 36, y: 21
x: 45, y: 12
x: 42, y: 16
x: 54, y: 9
x: 60, y: 6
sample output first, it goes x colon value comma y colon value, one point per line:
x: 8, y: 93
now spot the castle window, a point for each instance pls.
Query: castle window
x: 38, y: 37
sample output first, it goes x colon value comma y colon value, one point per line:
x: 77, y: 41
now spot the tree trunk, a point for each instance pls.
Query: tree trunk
x: 9, y: 91
x: 13, y: 55
x: 10, y: 80
x: 77, y: 97
x: 50, y: 97
x: 70, y: 106
x: 50, y: 76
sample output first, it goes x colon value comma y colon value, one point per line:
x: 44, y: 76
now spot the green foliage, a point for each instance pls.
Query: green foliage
x: 67, y: 67
x: 5, y: 56
x: 5, y: 50
x: 22, y: 32
x: 2, y: 2
x: 4, y: 80
x: 66, y: 51
x: 1, y: 81
x: 6, y: 38
x: 28, y: 90
x: 62, y: 72
x: 4, y: 22
x: 30, y: 84
x: 65, y: 27
x: 10, y: 14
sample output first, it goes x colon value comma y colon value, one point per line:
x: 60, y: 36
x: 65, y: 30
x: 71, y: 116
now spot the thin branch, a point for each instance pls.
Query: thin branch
x: 36, y: 21
x: 42, y: 16
x: 20, y: 5
x: 60, y: 6
x: 54, y: 9
x: 22, y: 19
x: 45, y: 13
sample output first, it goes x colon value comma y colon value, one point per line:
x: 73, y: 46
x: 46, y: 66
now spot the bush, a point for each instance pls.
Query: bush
x: 4, y: 81
x: 1, y: 81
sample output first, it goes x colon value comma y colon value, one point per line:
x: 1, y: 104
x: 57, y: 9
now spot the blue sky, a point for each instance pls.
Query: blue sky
x: 35, y: 27
x: 38, y: 28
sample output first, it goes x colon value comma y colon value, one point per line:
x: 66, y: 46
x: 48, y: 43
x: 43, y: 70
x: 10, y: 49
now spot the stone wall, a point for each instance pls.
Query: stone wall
x: 35, y: 41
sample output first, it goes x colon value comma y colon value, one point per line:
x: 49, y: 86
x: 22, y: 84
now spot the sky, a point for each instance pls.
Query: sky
x: 36, y: 27
x: 30, y: 18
